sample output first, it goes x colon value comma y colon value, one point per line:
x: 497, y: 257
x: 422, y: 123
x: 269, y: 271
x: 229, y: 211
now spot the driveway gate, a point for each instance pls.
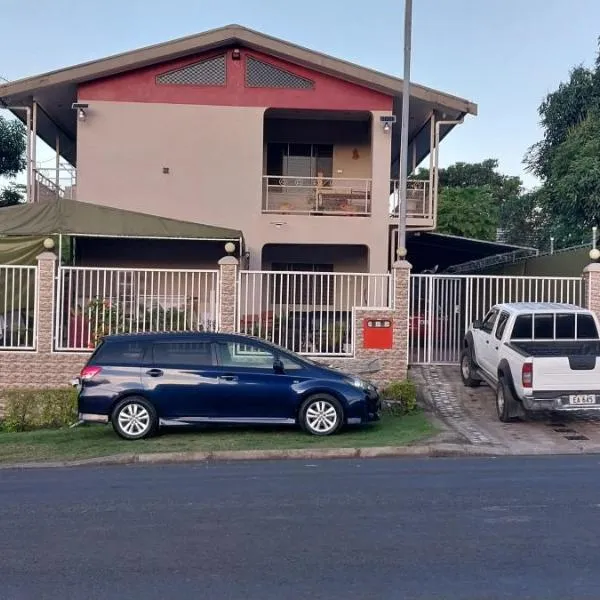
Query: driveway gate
x: 443, y: 306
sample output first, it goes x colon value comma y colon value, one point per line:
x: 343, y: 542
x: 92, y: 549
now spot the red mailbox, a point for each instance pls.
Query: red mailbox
x: 378, y: 334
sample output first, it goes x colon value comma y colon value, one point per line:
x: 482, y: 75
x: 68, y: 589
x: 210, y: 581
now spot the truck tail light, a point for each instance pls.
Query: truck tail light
x: 88, y: 373
x: 527, y: 375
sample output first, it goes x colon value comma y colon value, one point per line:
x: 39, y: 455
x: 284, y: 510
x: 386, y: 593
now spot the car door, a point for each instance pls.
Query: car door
x: 250, y: 389
x: 181, y: 378
x: 493, y: 351
x: 484, y: 340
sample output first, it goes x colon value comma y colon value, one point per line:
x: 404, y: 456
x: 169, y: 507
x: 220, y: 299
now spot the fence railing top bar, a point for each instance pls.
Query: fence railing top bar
x: 316, y: 273
x: 302, y: 178
x: 138, y: 270
x: 19, y: 267
x: 495, y: 277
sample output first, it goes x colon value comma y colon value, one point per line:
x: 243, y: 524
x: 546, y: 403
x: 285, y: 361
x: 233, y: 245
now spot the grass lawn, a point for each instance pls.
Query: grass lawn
x: 99, y: 440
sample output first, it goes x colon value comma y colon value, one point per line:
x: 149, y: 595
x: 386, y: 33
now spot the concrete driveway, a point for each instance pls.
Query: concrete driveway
x: 471, y: 412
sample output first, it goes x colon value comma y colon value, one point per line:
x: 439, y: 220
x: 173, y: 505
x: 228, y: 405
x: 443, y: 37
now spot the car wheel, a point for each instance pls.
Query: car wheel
x: 321, y: 415
x: 467, y: 369
x: 134, y: 418
x: 504, y: 402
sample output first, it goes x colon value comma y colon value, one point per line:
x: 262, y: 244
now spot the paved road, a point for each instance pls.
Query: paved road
x: 371, y: 529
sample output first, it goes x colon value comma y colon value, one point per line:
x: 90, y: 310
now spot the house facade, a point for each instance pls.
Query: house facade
x: 240, y: 130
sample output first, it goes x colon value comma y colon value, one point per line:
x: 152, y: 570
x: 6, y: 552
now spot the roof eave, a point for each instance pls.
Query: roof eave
x: 230, y: 34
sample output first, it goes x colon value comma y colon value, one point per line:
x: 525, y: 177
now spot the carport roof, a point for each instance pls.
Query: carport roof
x: 70, y: 217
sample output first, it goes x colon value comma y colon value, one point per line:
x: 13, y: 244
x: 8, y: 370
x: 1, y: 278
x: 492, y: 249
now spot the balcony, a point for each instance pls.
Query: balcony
x: 316, y: 196
x: 420, y: 209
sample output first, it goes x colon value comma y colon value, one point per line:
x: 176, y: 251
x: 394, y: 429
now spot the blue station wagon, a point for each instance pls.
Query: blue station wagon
x: 140, y: 382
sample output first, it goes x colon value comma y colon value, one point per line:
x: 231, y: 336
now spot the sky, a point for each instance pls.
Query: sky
x: 504, y: 55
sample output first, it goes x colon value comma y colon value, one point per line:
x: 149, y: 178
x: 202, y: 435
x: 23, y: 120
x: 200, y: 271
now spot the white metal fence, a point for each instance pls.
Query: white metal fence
x: 442, y: 307
x: 18, y: 302
x: 308, y: 312
x: 92, y: 302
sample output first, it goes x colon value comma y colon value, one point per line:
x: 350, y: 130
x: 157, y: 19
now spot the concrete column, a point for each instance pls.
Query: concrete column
x: 381, y: 157
x: 45, y: 301
x: 591, y: 282
x: 228, y: 279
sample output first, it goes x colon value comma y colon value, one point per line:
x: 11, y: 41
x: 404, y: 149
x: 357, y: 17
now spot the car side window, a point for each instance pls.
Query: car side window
x: 250, y: 356
x: 124, y: 353
x: 502, y: 321
x: 489, y: 321
x: 183, y: 353
x: 523, y: 328
x: 586, y: 327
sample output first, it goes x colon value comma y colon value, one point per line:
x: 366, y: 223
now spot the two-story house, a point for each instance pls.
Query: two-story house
x: 237, y: 129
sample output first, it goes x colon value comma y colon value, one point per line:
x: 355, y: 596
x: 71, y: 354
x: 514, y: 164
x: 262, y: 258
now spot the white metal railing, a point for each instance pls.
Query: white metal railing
x: 316, y: 195
x: 419, y: 202
x: 442, y: 307
x: 18, y: 312
x: 51, y: 183
x: 308, y: 312
x: 92, y: 302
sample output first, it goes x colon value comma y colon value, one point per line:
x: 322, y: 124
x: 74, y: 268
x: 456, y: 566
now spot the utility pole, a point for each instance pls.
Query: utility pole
x: 402, y: 187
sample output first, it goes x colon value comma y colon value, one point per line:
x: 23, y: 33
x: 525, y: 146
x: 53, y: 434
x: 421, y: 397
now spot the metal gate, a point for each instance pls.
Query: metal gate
x: 443, y: 306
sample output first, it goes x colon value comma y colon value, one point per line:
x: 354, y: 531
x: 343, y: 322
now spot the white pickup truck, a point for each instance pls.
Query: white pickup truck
x: 537, y: 356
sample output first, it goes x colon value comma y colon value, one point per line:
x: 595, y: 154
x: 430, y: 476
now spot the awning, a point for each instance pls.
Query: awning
x: 70, y: 217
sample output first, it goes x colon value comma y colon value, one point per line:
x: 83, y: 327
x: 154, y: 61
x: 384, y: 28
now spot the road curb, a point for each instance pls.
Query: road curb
x: 429, y: 450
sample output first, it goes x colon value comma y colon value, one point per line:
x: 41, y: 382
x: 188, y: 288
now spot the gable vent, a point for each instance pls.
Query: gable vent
x: 211, y: 71
x: 261, y: 74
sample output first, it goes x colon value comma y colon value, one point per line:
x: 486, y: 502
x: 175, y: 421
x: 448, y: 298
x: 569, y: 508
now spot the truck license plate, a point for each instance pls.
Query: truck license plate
x: 582, y: 399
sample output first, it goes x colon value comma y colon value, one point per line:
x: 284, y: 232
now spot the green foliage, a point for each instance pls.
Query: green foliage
x: 39, y: 409
x: 469, y: 212
x: 12, y: 147
x: 400, y: 397
x: 13, y: 194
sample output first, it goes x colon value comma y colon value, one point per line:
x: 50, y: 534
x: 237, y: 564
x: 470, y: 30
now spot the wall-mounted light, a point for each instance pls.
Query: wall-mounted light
x: 388, y: 121
x: 236, y: 54
x: 80, y: 107
x: 230, y: 247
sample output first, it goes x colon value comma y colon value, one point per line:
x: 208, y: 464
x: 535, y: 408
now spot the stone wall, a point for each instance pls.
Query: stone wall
x: 45, y: 368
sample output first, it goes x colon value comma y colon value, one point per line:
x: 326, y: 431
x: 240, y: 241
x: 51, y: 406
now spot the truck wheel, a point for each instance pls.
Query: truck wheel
x: 505, y: 402
x: 467, y: 369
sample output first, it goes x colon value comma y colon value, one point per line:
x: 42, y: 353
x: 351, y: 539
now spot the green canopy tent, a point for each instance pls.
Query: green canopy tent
x: 24, y: 227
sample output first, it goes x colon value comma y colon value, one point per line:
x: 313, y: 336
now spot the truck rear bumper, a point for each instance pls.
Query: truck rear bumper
x: 563, y: 402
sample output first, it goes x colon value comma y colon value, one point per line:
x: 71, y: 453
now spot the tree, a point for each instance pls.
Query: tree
x: 523, y: 220
x: 12, y: 194
x: 12, y: 147
x: 468, y: 212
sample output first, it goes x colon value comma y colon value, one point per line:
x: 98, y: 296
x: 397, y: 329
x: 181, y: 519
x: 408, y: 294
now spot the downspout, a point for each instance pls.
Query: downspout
x: 436, y: 177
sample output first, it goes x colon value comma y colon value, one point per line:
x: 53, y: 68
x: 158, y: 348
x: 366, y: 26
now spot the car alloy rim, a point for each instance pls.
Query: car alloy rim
x: 500, y: 400
x: 321, y: 416
x: 466, y: 371
x: 134, y: 419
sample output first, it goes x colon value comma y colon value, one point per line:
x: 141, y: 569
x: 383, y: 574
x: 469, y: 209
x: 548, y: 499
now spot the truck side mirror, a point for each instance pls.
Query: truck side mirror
x: 278, y: 365
x: 476, y: 325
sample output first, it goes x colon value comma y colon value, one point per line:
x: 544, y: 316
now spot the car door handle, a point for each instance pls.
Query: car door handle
x: 154, y: 373
x: 228, y: 378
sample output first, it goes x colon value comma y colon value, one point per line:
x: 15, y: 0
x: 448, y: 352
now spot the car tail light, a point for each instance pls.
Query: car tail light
x: 88, y: 373
x: 527, y: 375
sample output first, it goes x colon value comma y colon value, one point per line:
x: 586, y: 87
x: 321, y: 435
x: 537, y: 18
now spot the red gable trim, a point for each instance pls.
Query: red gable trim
x: 328, y: 93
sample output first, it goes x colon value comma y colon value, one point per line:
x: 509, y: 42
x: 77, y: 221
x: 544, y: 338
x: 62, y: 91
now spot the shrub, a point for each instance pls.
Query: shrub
x: 39, y: 409
x: 400, y: 397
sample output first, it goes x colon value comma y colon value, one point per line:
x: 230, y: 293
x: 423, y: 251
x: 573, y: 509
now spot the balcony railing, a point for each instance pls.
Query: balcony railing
x: 419, y: 204
x: 316, y: 196
x: 51, y: 184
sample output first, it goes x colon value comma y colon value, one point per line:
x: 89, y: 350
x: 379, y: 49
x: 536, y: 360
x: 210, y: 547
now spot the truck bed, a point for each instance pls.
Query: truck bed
x: 557, y: 348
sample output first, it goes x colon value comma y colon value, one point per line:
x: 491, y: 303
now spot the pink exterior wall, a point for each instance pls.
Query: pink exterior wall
x: 328, y: 93
x: 197, y: 154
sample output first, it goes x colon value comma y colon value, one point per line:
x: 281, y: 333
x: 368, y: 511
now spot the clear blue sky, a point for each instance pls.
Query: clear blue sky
x: 505, y: 55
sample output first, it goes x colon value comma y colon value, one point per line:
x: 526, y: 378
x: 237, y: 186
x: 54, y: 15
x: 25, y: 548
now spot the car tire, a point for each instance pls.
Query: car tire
x: 468, y: 369
x: 134, y: 418
x: 505, y: 402
x: 321, y: 415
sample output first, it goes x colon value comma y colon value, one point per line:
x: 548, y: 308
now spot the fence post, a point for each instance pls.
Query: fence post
x: 45, y: 301
x: 401, y: 313
x: 591, y: 283
x: 228, y: 278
